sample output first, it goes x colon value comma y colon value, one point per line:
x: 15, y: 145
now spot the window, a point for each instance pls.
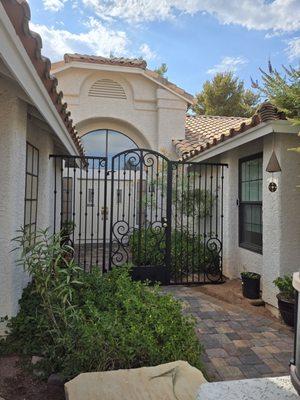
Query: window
x: 250, y: 204
x: 106, y: 143
x: 31, y: 188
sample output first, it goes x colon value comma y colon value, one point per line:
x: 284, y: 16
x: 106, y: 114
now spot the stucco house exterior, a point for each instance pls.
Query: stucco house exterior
x: 261, y: 227
x: 117, y: 104
x: 34, y: 123
x: 122, y: 95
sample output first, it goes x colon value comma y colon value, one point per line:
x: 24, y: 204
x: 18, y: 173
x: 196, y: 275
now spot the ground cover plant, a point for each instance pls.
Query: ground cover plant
x: 83, y: 322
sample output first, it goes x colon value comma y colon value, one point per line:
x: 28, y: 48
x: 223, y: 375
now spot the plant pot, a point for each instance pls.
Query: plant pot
x: 286, y: 309
x: 251, y: 287
x: 152, y: 273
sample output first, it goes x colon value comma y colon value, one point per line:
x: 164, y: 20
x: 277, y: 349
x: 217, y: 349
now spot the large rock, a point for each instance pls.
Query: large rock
x: 173, y: 381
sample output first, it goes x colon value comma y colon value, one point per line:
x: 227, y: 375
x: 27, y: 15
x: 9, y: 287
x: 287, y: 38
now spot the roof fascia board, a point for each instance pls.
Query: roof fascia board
x: 115, y: 68
x: 14, y: 54
x: 263, y: 129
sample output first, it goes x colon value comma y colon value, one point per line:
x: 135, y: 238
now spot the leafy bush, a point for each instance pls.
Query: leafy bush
x: 91, y: 322
x: 188, y: 252
x: 250, y: 275
x: 285, y: 286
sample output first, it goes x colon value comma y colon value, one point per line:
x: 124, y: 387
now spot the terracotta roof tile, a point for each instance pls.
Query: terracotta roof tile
x: 204, y: 131
x: 18, y: 12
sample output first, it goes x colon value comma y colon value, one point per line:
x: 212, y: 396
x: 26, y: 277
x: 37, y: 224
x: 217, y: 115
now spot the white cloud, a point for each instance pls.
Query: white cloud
x: 276, y: 15
x: 293, y: 49
x: 147, y: 53
x: 228, y: 64
x: 98, y: 40
x: 54, y: 5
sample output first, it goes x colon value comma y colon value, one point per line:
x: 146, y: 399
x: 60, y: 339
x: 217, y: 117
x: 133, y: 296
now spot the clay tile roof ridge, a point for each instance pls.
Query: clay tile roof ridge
x: 123, y: 61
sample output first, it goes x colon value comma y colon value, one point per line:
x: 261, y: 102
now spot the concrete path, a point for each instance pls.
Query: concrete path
x: 279, y: 388
x: 238, y: 344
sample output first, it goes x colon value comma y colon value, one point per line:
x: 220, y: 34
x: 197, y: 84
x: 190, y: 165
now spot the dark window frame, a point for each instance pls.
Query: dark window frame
x: 246, y: 245
x: 31, y: 199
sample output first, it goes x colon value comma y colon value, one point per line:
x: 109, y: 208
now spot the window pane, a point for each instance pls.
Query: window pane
x: 27, y: 212
x: 106, y: 143
x: 245, y: 191
x: 28, y: 186
x: 253, y: 169
x: 34, y: 187
x: 35, y: 162
x: 254, y: 190
x: 29, y: 151
x: 251, y: 225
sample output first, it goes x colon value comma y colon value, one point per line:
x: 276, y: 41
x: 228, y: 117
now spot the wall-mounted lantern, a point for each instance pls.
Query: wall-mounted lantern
x: 273, y: 166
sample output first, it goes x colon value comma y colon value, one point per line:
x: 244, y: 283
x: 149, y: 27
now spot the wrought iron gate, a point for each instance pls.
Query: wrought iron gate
x: 164, y: 217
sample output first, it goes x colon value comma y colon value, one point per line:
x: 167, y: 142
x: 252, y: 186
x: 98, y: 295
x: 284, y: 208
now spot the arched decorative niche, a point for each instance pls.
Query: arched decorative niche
x: 106, y: 85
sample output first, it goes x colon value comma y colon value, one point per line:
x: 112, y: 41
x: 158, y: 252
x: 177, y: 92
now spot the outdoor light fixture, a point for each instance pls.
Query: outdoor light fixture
x: 272, y: 167
x: 273, y: 164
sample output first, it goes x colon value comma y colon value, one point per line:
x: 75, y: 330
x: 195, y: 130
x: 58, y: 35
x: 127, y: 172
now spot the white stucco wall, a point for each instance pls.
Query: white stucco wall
x: 150, y: 115
x: 17, y: 127
x: 13, y: 115
x: 281, y: 220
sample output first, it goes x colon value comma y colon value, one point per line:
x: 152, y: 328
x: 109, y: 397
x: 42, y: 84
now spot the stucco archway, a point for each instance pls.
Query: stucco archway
x: 92, y: 124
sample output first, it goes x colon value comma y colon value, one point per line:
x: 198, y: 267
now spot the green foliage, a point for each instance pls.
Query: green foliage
x: 285, y: 286
x: 162, y: 70
x: 250, y: 275
x: 84, y: 322
x: 192, y: 202
x: 188, y: 252
x: 282, y: 90
x: 226, y: 95
x: 30, y: 322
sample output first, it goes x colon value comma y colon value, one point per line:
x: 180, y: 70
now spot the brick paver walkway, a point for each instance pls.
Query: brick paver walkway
x: 238, y: 344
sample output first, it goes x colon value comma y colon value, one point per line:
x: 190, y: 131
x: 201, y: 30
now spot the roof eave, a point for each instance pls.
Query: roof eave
x: 258, y: 131
x: 188, y: 98
x: 14, y: 18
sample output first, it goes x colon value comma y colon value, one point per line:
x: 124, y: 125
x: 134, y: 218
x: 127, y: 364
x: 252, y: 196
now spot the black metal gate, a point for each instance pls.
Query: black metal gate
x: 164, y: 217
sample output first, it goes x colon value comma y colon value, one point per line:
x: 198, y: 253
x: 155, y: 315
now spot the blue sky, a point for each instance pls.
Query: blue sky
x: 196, y: 38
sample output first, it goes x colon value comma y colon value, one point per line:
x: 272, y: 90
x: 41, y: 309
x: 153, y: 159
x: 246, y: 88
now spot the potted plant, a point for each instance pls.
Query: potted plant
x: 251, y: 285
x: 286, y: 299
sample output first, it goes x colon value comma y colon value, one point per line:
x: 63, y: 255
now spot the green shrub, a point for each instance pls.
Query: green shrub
x: 188, y: 252
x: 85, y: 322
x: 285, y: 286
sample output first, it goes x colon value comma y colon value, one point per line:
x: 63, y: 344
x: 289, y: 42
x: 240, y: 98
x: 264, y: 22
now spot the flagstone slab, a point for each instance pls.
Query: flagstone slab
x: 173, y: 381
x: 278, y: 388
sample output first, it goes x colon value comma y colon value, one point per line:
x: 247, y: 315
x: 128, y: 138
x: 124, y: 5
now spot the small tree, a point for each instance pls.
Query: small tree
x: 226, y: 95
x: 162, y: 70
x: 282, y: 90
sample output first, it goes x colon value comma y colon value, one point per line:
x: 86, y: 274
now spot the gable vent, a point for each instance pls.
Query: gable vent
x: 107, y: 88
